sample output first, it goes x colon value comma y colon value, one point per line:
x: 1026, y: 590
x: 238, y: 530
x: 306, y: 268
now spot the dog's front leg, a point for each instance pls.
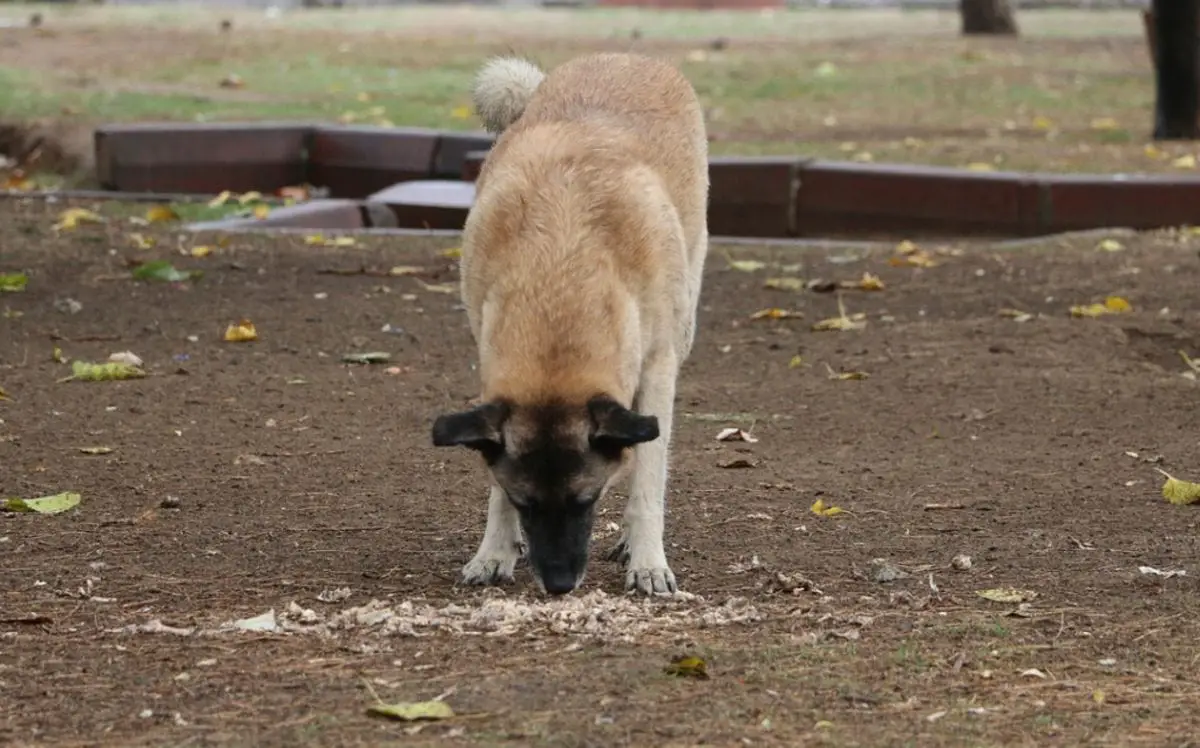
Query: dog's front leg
x: 647, y: 570
x: 501, y: 546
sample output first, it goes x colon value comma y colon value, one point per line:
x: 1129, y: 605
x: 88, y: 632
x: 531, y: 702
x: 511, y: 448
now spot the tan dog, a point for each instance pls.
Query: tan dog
x: 581, y: 269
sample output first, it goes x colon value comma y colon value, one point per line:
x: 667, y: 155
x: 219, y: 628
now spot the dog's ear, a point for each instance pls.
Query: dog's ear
x: 478, y: 428
x: 615, y: 426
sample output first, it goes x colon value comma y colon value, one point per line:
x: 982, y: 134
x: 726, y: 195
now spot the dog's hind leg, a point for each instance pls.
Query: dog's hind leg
x: 641, y: 545
x: 501, y: 547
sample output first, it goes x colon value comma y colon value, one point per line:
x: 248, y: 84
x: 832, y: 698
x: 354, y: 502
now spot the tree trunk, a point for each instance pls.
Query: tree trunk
x: 1176, y: 76
x: 988, y: 17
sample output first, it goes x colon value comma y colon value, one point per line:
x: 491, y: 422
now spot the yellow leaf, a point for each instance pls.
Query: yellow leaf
x: 57, y: 356
x: 1185, y: 162
x: 1110, y: 245
x: 687, y: 667
x: 1116, y: 304
x: 252, y: 196
x: 747, y: 266
x: 1042, y: 123
x: 820, y: 509
x: 141, y: 241
x: 17, y: 182
x: 776, y: 313
x: 220, y: 200
x: 907, y: 248
x: 405, y: 270
x: 784, y: 284
x: 855, y: 322
x: 1111, y: 305
x: 446, y: 288
x: 796, y: 362
x: 161, y: 214
x: 261, y: 211
x: 1007, y: 595
x: 870, y: 282
x: 1153, y: 151
x: 363, y: 96
x: 4, y: 395
x: 1179, y: 492
x: 461, y: 112
x: 453, y: 253
x: 96, y: 450
x: 1098, y: 696
x: 863, y: 157
x: 202, y: 250
x: 337, y: 241
x: 980, y: 166
x: 1104, y: 123
x: 412, y: 712
x: 242, y: 332
x: 72, y: 217
x: 1015, y: 314
x: 109, y: 371
x: 823, y: 724
x: 846, y: 376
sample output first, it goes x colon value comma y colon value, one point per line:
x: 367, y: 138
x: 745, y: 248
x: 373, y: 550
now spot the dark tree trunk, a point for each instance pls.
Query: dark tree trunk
x: 988, y: 17
x: 1176, y: 76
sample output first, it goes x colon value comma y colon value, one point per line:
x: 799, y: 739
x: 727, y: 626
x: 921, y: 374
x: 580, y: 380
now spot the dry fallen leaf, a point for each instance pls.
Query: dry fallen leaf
x: 820, y: 509
x: 1110, y: 245
x: 83, y: 371
x: 141, y: 241
x: 412, y: 712
x: 845, y: 376
x: 687, y: 666
x: 233, y: 80
x: 980, y: 166
x: 461, y: 112
x: 161, y: 214
x: 841, y: 322
x: 453, y: 253
x: 1015, y: 314
x: 736, y: 435
x: 784, y: 284
x: 1187, y: 161
x: 746, y: 266
x: 1007, y: 595
x: 261, y: 211
x: 202, y: 250
x: 241, y: 332
x: 1179, y: 492
x: 1111, y: 305
x: 870, y: 282
x: 776, y: 313
x: 796, y: 362
x: 446, y: 288
x: 1104, y: 123
x: 71, y: 218
x: 400, y: 270
x: 220, y: 199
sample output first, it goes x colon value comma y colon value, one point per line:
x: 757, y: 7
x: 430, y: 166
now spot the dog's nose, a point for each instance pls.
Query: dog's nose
x: 558, y: 580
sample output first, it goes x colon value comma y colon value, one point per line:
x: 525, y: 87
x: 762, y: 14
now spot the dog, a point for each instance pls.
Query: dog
x: 581, y: 269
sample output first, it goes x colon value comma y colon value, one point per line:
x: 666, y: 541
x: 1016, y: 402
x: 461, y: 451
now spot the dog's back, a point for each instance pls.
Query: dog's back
x: 601, y: 162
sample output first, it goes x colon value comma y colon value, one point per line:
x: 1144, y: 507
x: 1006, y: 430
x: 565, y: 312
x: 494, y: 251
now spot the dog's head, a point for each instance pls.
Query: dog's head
x: 553, y: 461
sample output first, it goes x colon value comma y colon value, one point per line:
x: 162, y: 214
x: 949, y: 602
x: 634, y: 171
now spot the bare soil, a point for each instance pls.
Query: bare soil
x: 245, y: 477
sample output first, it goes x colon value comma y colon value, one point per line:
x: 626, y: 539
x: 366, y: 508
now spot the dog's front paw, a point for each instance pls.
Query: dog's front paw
x: 651, y: 581
x: 490, y: 569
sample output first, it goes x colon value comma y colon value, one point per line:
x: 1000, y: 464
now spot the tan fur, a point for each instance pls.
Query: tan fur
x: 583, y: 253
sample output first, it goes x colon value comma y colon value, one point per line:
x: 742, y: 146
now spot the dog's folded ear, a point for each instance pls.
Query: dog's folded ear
x: 478, y: 428
x: 615, y: 426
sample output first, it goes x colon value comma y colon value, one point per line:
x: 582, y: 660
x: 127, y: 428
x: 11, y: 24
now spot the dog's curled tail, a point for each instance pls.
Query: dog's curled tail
x: 502, y: 89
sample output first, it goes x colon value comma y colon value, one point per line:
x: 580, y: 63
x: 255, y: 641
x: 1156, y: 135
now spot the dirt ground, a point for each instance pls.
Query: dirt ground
x: 251, y: 477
